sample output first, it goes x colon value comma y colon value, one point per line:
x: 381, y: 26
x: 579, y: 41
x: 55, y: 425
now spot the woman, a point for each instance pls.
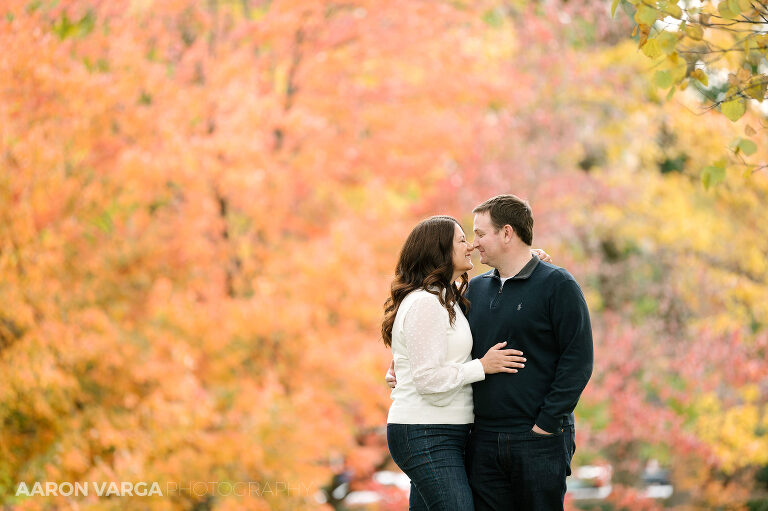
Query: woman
x: 430, y: 417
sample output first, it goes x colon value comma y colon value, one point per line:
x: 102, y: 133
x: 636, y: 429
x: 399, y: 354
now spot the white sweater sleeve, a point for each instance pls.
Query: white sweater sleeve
x: 425, y: 327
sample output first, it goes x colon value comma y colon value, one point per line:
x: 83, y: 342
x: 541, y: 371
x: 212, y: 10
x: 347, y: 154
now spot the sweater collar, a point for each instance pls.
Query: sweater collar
x: 524, y: 273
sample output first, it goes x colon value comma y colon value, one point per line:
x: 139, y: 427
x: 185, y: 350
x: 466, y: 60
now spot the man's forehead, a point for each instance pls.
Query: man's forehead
x: 481, y: 220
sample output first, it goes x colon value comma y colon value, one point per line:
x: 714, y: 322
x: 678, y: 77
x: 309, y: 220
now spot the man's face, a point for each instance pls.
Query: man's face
x: 488, y: 242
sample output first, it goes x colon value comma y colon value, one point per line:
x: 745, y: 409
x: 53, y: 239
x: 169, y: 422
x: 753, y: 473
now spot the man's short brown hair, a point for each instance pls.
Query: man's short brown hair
x: 510, y: 210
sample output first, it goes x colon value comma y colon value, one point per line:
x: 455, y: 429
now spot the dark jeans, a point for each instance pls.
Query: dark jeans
x: 432, y: 455
x: 519, y: 471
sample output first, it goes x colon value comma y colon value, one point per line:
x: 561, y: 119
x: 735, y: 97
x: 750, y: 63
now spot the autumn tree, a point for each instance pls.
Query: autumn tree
x: 201, y: 205
x: 718, y: 49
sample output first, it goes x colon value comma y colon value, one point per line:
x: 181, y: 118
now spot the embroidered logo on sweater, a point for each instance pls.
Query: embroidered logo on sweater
x: 520, y: 306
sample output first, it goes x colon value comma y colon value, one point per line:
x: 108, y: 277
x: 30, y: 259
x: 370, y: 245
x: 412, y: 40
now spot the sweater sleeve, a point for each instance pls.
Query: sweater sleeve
x: 573, y: 332
x: 426, y: 327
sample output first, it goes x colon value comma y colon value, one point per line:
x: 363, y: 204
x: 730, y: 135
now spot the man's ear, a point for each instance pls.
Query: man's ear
x: 509, y: 233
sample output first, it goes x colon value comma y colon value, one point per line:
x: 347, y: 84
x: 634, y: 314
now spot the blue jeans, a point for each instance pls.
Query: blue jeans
x: 432, y: 455
x: 520, y: 471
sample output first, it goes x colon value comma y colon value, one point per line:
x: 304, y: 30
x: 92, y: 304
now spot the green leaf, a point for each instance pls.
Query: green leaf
x: 667, y: 42
x: 747, y: 146
x: 734, y: 108
x: 712, y: 176
x: 64, y: 27
x: 493, y: 18
x: 662, y: 79
x: 33, y: 6
x: 646, y: 15
x: 725, y: 10
x: 104, y: 222
x: 670, y: 93
x: 614, y: 5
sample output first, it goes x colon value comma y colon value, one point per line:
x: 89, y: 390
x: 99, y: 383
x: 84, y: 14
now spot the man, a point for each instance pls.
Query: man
x: 523, y: 439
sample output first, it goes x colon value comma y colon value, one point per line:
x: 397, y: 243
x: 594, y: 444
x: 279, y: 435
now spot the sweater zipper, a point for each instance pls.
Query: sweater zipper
x: 497, y: 298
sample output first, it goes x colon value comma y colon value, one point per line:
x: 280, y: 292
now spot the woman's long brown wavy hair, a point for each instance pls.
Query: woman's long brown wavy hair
x: 426, y: 262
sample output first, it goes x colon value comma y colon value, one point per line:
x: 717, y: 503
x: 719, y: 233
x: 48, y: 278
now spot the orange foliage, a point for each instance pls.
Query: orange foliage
x: 201, y: 203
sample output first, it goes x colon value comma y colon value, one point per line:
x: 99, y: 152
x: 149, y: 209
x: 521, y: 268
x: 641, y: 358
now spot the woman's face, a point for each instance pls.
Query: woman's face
x: 462, y: 250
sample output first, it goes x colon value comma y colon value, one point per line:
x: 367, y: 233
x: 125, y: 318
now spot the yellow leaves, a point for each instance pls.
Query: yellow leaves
x: 734, y: 109
x: 750, y: 393
x: 736, y: 7
x: 667, y: 42
x: 651, y: 48
x: 695, y: 32
x: 673, y: 68
x: 707, y: 404
x: 735, y: 106
x: 752, y: 50
x: 646, y: 15
x: 280, y: 78
x: 726, y: 11
x: 756, y: 87
x: 614, y: 4
x: 742, y: 75
x: 701, y: 76
x: 733, y: 433
x: 670, y: 8
x: 677, y: 67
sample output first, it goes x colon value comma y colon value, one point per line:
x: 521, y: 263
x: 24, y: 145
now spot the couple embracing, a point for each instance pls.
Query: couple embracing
x: 474, y: 423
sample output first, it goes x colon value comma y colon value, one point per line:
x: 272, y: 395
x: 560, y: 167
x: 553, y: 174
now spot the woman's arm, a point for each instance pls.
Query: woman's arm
x: 426, y: 339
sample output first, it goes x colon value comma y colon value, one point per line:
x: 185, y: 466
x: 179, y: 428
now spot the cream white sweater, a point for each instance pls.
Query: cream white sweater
x: 433, y: 364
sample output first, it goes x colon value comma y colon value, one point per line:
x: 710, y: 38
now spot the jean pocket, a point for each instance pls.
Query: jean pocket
x: 555, y: 434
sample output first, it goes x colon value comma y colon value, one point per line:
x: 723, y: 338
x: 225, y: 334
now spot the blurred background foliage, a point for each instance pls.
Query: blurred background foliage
x: 202, y: 202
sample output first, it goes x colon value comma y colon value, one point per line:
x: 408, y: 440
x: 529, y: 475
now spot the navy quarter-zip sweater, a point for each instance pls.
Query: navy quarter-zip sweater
x: 541, y: 311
